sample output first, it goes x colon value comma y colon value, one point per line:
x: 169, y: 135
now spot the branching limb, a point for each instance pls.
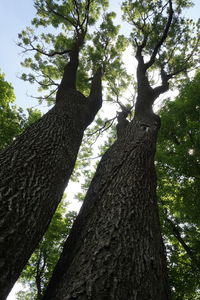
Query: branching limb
x: 184, y: 67
x: 77, y: 11
x: 102, y: 129
x: 162, y: 39
x: 164, y: 86
x: 69, y: 77
x: 49, y: 54
x: 68, y: 20
x: 140, y: 47
x: 86, y: 18
x: 177, y: 235
x: 45, y: 97
x: 44, y: 85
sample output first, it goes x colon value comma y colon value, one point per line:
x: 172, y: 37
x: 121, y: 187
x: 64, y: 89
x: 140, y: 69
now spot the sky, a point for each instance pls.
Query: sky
x: 15, y: 15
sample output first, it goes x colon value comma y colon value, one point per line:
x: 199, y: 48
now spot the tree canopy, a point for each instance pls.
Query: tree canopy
x: 62, y: 21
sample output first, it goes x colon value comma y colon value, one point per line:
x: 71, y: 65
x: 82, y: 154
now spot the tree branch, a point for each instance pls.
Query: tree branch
x: 187, y: 249
x: 162, y: 39
x: 69, y: 20
x: 38, y: 276
x: 46, y: 97
x: 102, y: 129
x: 70, y: 70
x: 140, y: 47
x: 184, y: 64
x: 77, y: 11
x: 86, y: 19
x: 50, y: 54
x: 164, y: 86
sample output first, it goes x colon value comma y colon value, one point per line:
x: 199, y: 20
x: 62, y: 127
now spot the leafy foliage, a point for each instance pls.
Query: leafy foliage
x: 178, y: 168
x: 12, y: 119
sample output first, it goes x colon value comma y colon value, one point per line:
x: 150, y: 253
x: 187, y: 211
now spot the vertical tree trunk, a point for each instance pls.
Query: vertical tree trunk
x: 115, y: 249
x: 34, y: 171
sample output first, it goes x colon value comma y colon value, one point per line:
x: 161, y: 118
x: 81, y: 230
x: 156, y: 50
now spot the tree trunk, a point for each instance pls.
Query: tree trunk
x: 34, y: 172
x: 115, y: 250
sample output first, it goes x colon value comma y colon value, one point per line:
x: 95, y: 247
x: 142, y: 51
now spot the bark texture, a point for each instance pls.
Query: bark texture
x: 115, y: 249
x: 35, y: 169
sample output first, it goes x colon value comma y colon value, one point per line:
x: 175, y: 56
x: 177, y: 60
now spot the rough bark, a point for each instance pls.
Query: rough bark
x: 35, y: 169
x: 115, y: 249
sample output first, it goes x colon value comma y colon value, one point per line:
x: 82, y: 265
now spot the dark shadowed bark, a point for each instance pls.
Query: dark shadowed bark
x: 35, y: 169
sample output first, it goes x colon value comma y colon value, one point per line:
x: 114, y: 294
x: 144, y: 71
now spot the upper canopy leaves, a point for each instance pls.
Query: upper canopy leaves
x: 67, y: 23
x: 167, y: 40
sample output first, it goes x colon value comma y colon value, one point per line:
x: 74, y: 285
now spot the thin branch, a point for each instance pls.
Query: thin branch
x: 164, y: 86
x: 103, y: 128
x: 162, y: 39
x: 77, y: 11
x: 86, y: 18
x: 96, y: 157
x: 49, y: 54
x: 187, y: 249
x: 46, y: 97
x: 140, y: 47
x: 46, y: 85
x: 38, y: 276
x: 99, y: 133
x: 184, y: 64
x: 63, y: 17
x: 163, y: 8
x: 50, y: 79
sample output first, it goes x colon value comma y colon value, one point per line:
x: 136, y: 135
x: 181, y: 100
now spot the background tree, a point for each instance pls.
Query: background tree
x: 177, y: 162
x: 119, y: 252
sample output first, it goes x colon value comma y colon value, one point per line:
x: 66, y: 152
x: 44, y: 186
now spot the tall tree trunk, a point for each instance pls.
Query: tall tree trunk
x: 35, y: 169
x: 115, y: 249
